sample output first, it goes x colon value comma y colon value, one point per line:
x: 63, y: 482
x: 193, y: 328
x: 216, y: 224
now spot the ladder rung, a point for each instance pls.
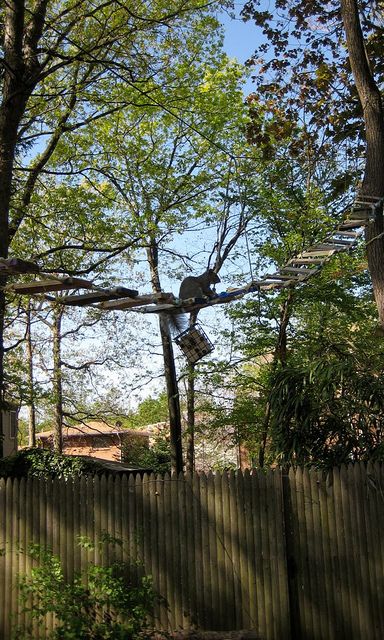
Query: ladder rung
x: 298, y: 270
x: 327, y: 246
x: 301, y: 260
x: 346, y: 242
x: 353, y: 224
x: 347, y: 234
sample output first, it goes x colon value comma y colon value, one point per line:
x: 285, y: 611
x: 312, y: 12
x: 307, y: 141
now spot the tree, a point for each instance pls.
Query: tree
x: 315, y: 82
x: 373, y: 114
x: 300, y: 334
x: 56, y: 60
x: 173, y: 174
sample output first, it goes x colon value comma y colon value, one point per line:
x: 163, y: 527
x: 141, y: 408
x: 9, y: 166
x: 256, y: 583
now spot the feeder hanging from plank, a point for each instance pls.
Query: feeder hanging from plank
x: 194, y: 343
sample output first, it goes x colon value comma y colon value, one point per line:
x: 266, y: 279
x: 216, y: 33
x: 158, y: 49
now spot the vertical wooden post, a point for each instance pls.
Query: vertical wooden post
x: 173, y: 395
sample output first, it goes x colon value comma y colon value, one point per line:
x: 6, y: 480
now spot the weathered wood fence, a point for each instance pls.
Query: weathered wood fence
x: 297, y: 556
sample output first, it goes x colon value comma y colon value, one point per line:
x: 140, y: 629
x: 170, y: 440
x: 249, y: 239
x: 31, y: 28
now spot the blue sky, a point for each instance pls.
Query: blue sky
x: 240, y: 36
x: 239, y: 40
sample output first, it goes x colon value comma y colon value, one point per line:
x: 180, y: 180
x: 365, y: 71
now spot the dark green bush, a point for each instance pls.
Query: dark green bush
x: 43, y: 463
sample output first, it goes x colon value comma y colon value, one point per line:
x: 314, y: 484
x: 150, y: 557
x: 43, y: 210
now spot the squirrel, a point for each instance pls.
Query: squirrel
x: 199, y: 286
x: 192, y: 287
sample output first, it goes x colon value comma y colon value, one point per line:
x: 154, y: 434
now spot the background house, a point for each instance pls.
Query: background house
x: 96, y: 439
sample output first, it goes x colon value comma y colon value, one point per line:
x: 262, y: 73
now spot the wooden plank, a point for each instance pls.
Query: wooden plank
x: 244, y: 620
x: 352, y: 224
x: 346, y: 242
x: 283, y: 623
x: 351, y: 545
x: 212, y: 537
x: 342, y: 553
x: 57, y: 284
x: 99, y: 296
x: 220, y: 552
x: 16, y: 266
x: 306, y: 261
x: 353, y: 235
x: 313, y: 566
x: 127, y: 303
x: 155, y: 501
x: 372, y: 489
x: 282, y: 278
x: 362, y: 579
x: 8, y: 558
x: 163, y: 534
x: 188, y: 567
x: 327, y: 246
x: 299, y: 270
x: 176, y: 544
x: 3, y: 539
x: 319, y: 253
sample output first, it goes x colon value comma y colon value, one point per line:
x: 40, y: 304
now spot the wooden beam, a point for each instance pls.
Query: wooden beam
x: 97, y: 296
x: 56, y: 284
x: 352, y: 224
x: 17, y: 266
x: 309, y: 261
x: 128, y: 303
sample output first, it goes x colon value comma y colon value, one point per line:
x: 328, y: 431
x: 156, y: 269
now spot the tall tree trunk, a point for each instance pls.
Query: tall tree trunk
x: 30, y: 382
x: 279, y: 357
x: 19, y: 70
x: 190, y: 462
x: 173, y: 396
x: 372, y: 106
x: 169, y: 367
x: 57, y: 380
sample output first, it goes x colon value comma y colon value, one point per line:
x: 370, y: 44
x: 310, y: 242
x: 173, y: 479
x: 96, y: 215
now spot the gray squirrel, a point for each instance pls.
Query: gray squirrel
x: 192, y: 287
x: 199, y: 286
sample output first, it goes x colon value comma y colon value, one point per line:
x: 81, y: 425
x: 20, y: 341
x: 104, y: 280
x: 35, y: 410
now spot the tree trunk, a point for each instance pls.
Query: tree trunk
x: 169, y: 366
x: 173, y: 396
x: 30, y: 382
x: 373, y: 182
x: 279, y: 357
x: 19, y: 78
x: 57, y: 380
x: 190, y: 463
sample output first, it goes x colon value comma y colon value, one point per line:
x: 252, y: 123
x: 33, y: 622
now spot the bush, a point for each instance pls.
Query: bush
x: 156, y: 458
x: 43, y: 463
x: 99, y: 604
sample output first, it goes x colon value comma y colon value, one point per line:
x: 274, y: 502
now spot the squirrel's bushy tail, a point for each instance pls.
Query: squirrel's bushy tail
x: 177, y: 322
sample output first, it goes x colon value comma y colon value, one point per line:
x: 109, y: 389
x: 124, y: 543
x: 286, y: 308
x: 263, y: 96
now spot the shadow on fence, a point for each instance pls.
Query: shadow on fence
x: 295, y: 556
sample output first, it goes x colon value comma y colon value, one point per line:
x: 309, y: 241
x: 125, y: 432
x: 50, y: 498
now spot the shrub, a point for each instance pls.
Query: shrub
x: 43, y: 463
x: 100, y: 603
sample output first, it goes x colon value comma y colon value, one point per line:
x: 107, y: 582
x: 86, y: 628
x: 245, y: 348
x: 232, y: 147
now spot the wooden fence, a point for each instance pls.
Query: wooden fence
x: 297, y: 556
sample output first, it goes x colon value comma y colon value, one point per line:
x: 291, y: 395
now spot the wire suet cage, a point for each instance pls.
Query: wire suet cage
x: 194, y: 343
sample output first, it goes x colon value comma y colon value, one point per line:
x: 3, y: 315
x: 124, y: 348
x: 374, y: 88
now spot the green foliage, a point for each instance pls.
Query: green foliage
x: 43, y: 463
x: 327, y: 412
x: 319, y: 401
x: 156, y: 458
x: 101, y: 603
x: 149, y: 411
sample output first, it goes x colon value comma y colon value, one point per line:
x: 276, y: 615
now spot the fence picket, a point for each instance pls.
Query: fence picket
x: 221, y: 548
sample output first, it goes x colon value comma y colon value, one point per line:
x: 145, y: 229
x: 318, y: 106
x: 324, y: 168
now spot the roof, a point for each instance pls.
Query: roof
x: 94, y: 428
x: 117, y: 467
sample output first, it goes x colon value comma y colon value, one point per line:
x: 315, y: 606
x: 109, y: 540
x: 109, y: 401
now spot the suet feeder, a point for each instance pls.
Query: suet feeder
x: 194, y: 343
